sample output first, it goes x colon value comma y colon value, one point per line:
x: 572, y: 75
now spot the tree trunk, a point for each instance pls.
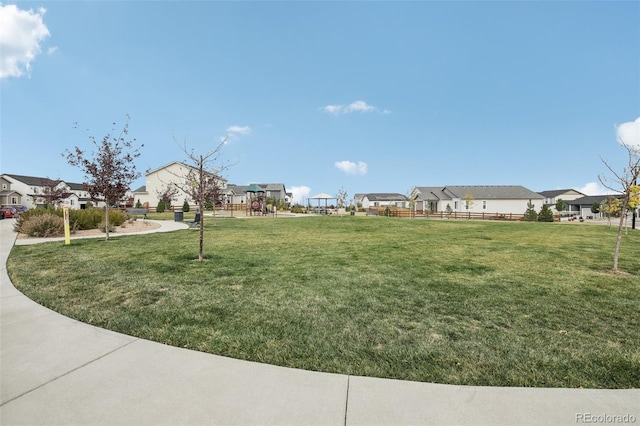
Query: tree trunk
x: 616, y: 252
x: 201, y: 225
x: 201, y: 201
x: 106, y: 220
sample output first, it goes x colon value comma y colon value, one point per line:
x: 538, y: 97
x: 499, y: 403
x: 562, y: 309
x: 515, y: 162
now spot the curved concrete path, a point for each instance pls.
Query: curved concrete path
x: 56, y: 370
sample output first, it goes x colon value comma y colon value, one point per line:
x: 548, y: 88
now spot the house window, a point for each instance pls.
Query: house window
x: 455, y: 205
x: 14, y: 200
x: 71, y: 202
x: 4, y: 186
x: 268, y: 193
x: 484, y: 205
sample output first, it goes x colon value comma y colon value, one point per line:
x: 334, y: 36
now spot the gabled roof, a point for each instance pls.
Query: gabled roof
x: 143, y: 188
x: 554, y: 193
x: 76, y: 186
x: 498, y: 192
x: 432, y: 193
x: 182, y: 165
x: 272, y: 186
x: 386, y: 196
x: 32, y: 180
x: 43, y: 181
x: 589, y: 200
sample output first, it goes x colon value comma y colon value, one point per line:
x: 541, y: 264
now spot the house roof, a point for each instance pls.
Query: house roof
x: 76, y: 186
x: 44, y: 181
x: 432, y: 193
x: 497, y: 192
x: 589, y: 200
x: 386, y: 196
x: 183, y: 165
x: 479, y: 192
x: 32, y: 180
x: 554, y: 193
x: 143, y: 188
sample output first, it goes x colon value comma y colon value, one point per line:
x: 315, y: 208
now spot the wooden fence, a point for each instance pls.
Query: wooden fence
x: 409, y: 213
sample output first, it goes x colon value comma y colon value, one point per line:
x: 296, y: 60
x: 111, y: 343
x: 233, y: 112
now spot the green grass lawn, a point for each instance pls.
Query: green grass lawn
x: 460, y: 302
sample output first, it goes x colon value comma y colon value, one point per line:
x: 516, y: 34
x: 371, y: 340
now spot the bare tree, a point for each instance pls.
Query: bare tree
x: 625, y: 183
x: 202, y: 182
x: 109, y: 170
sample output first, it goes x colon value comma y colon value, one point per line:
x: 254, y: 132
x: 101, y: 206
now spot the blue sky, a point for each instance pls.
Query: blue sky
x: 369, y: 96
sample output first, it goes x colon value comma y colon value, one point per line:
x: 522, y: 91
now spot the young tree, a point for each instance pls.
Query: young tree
x: 625, y: 181
x: 595, y: 207
x: 545, y: 215
x: 448, y: 210
x: 469, y: 201
x: 561, y: 205
x: 109, y: 170
x: 200, y: 184
x: 52, y: 193
x: 166, y: 195
x: 610, y: 206
x: 530, y: 214
x: 342, y: 196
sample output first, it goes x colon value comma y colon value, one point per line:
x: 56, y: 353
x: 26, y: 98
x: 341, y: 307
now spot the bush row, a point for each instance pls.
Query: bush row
x: 78, y: 219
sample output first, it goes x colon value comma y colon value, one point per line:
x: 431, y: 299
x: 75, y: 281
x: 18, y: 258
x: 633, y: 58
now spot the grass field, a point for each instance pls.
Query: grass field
x: 460, y: 302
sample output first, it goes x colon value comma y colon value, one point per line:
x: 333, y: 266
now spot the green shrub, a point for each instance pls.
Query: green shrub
x: 160, y: 207
x: 42, y: 225
x: 545, y: 215
x: 86, y: 219
x: 117, y: 217
x: 185, y: 206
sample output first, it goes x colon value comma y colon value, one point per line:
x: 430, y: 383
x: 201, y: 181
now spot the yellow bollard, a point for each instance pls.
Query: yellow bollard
x: 67, y: 231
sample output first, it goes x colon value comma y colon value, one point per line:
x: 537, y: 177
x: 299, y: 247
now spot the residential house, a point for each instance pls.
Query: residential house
x: 158, y: 180
x: 20, y: 190
x: 502, y: 199
x: 582, y: 206
x: 382, y: 199
x: 552, y: 197
x: 172, y: 175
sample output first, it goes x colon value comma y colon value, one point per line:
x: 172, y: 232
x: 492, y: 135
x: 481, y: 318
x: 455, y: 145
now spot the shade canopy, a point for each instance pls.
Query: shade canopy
x: 322, y: 196
x: 254, y: 188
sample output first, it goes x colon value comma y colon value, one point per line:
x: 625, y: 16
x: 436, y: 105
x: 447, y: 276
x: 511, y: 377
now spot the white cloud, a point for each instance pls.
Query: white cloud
x: 21, y: 32
x: 629, y: 133
x: 299, y: 193
x: 351, y: 168
x: 239, y: 130
x: 357, y: 106
x: 235, y: 131
x: 594, y: 188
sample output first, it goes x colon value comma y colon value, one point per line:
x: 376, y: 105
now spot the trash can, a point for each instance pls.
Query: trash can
x: 178, y: 216
x: 353, y: 213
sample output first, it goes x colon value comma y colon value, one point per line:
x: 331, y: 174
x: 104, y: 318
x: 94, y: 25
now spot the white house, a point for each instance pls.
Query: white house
x: 552, y: 197
x: 172, y: 175
x: 382, y: 199
x: 501, y: 199
x: 19, y: 190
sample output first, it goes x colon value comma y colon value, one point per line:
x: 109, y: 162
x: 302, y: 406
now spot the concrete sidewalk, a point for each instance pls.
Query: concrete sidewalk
x: 55, y: 370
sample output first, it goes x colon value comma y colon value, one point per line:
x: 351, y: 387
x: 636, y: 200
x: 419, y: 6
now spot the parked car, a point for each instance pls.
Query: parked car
x: 21, y: 209
x: 9, y: 212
